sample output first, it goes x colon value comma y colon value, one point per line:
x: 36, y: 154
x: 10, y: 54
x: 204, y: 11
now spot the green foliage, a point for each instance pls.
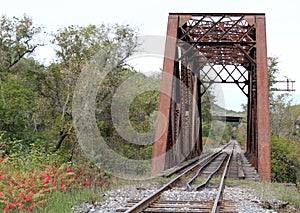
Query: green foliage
x: 63, y: 201
x: 205, y: 129
x: 207, y: 102
x: 77, y: 45
x: 37, y: 134
x: 280, y: 116
x: 228, y: 133
x: 285, y: 160
x: 27, y: 156
x: 140, y: 112
x: 17, y: 39
x: 217, y: 130
x: 295, y: 122
x: 284, y: 141
x: 273, y: 70
x: 16, y: 107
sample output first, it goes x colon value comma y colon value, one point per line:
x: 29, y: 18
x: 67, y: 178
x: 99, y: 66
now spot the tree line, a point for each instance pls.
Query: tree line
x: 36, y: 100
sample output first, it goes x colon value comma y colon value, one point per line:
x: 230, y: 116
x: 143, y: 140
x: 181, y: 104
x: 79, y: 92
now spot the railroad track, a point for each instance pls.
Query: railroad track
x: 213, y: 165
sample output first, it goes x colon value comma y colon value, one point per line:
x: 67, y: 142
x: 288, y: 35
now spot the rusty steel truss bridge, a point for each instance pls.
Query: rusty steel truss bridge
x: 203, y: 49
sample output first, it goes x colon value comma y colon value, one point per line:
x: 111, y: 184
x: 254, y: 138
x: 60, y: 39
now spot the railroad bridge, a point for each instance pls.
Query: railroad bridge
x: 203, y: 49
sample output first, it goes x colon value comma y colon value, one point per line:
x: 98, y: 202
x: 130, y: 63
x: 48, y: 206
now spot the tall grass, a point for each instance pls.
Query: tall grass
x: 271, y: 191
x: 278, y: 191
x: 62, y: 202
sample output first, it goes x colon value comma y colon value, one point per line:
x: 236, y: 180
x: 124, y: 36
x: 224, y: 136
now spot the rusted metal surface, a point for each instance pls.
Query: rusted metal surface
x: 206, y: 49
x: 263, y: 114
x: 162, y: 129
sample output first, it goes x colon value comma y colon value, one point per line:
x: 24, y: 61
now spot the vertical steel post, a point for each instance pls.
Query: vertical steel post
x: 200, y: 141
x: 194, y: 133
x: 263, y: 116
x: 162, y: 129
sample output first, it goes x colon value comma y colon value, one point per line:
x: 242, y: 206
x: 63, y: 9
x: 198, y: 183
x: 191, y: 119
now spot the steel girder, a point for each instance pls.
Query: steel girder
x: 201, y: 50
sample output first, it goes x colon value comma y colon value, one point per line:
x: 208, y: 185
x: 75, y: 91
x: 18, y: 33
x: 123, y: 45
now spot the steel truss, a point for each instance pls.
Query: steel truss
x: 202, y: 50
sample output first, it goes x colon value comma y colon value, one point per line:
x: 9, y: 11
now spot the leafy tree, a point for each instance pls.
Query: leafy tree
x: 281, y: 119
x: 284, y: 141
x: 280, y: 116
x: 18, y: 106
x: 16, y: 111
x: 76, y: 46
x: 273, y: 70
x: 207, y: 103
x: 295, y: 127
x: 140, y: 112
x: 18, y: 38
x: 285, y: 160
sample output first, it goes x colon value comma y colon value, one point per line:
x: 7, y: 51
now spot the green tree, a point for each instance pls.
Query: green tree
x: 76, y: 46
x: 18, y: 105
x: 295, y: 128
x: 18, y: 38
x: 284, y: 141
x: 285, y: 160
x: 280, y: 116
x: 281, y: 119
x: 140, y: 113
x: 16, y: 110
x: 273, y: 70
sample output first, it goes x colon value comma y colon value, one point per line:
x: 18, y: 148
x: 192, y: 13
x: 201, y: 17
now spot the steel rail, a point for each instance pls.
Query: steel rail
x: 198, y: 188
x: 192, y: 180
x: 144, y: 203
x: 180, y: 169
x: 219, y: 197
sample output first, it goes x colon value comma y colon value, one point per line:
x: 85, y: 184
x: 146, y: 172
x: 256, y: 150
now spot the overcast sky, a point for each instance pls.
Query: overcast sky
x: 150, y: 17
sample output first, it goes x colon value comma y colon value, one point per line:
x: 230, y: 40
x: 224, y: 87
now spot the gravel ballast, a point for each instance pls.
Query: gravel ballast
x: 246, y: 198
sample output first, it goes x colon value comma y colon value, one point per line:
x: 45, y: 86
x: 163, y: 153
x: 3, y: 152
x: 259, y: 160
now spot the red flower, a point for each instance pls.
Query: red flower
x: 62, y: 188
x: 70, y: 170
x: 9, y: 207
x: 31, y: 207
x: 3, y: 159
x: 28, y: 199
x: 46, y: 179
x: 86, y: 183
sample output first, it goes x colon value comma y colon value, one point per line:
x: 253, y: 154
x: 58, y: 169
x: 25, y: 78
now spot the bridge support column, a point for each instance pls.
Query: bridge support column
x: 163, y: 121
x: 263, y: 115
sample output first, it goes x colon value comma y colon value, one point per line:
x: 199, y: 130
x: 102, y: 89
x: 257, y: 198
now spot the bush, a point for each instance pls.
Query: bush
x: 28, y: 156
x: 285, y: 155
x: 24, y: 191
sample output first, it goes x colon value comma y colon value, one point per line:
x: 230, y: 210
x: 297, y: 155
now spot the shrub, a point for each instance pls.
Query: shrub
x: 285, y: 160
x: 24, y: 191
